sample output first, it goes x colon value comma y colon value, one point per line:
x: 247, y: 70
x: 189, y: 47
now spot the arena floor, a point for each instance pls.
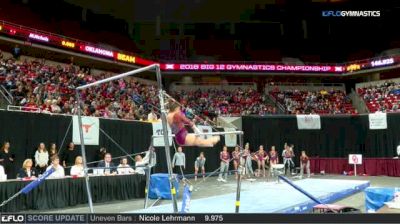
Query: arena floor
x: 211, y: 188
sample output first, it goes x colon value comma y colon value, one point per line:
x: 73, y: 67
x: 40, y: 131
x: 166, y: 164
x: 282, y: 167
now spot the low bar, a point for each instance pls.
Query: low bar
x: 210, y: 133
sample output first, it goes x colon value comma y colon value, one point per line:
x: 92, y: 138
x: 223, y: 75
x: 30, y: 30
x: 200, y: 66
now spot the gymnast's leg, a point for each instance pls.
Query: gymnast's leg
x: 194, y: 140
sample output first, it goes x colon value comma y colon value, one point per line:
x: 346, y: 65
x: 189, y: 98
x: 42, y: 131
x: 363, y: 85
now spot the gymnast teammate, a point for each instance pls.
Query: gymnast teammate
x: 177, y: 120
x: 236, y: 160
x: 247, y: 156
x: 224, y: 167
x: 261, y: 156
x: 304, y: 163
x: 273, y: 156
x: 288, y: 155
x: 199, y: 163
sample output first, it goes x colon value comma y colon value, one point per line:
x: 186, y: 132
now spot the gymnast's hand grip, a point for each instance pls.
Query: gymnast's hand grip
x: 38, y: 181
x: 197, y: 130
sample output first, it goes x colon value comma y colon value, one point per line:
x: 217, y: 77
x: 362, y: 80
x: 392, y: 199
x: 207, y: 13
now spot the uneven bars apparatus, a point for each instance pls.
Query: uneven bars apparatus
x: 208, y: 133
x: 163, y: 118
x: 240, y: 133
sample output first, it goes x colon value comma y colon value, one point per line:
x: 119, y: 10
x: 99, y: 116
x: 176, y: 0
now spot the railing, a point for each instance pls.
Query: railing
x: 24, y: 109
x: 375, y: 83
x: 7, y: 95
x: 209, y: 85
x: 277, y: 104
x: 305, y: 86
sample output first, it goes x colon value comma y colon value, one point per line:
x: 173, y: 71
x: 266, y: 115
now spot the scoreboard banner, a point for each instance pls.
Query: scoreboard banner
x: 29, y: 35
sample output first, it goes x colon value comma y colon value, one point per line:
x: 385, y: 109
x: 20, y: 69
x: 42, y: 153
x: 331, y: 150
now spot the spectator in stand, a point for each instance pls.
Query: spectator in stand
x: 41, y: 158
x: 52, y: 151
x: 16, y: 52
x: 306, y: 102
x: 152, y: 116
x: 55, y: 108
x: 68, y: 157
x: 58, y: 169
x: 77, y: 169
x: 7, y: 159
x: 382, y: 97
x: 213, y: 102
x: 27, y: 170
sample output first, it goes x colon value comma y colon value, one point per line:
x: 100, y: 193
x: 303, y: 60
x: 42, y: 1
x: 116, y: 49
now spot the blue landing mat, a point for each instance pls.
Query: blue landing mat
x: 271, y: 197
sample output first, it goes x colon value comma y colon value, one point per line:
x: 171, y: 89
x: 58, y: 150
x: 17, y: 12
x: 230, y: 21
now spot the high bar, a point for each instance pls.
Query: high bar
x: 120, y: 76
x: 209, y: 133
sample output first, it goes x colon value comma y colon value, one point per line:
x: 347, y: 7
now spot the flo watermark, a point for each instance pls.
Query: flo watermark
x: 348, y: 13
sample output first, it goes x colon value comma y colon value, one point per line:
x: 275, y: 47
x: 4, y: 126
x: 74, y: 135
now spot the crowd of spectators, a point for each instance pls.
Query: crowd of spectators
x: 383, y: 97
x: 214, y: 102
x: 50, y: 89
x: 37, y: 86
x: 314, y: 102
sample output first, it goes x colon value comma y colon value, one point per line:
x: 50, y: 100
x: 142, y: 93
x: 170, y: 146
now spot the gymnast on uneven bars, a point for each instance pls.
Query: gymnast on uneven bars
x: 177, y: 121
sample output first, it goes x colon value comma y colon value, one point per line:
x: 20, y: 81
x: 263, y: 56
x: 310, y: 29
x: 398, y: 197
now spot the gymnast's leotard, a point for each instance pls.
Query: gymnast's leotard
x: 178, y: 127
x: 273, y: 157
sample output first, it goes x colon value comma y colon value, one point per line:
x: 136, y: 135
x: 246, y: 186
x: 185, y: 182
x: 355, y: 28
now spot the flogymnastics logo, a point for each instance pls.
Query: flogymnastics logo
x: 348, y: 13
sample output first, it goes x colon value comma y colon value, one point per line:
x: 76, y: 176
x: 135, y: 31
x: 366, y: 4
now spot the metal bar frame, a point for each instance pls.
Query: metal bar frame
x: 165, y: 135
x: 90, y: 201
x: 148, y: 173
x: 239, y: 171
x: 156, y: 67
x: 239, y: 179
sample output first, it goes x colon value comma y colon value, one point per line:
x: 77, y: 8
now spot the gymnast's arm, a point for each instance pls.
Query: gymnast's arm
x: 185, y: 120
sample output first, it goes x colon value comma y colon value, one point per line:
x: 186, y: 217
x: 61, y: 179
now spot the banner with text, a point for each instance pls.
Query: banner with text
x: 377, y: 121
x: 158, y: 130
x: 311, y: 121
x: 90, y: 126
x: 230, y: 139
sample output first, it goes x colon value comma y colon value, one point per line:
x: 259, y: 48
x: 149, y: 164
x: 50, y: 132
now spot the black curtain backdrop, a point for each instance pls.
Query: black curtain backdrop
x: 26, y: 130
x: 62, y: 193
x: 339, y: 135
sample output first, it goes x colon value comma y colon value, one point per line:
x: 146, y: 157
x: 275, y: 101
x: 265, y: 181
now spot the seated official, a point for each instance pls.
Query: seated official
x: 108, y: 166
x: 3, y: 175
x: 140, y: 165
x: 27, y: 171
x: 77, y: 169
x: 59, y: 170
x: 124, y: 168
